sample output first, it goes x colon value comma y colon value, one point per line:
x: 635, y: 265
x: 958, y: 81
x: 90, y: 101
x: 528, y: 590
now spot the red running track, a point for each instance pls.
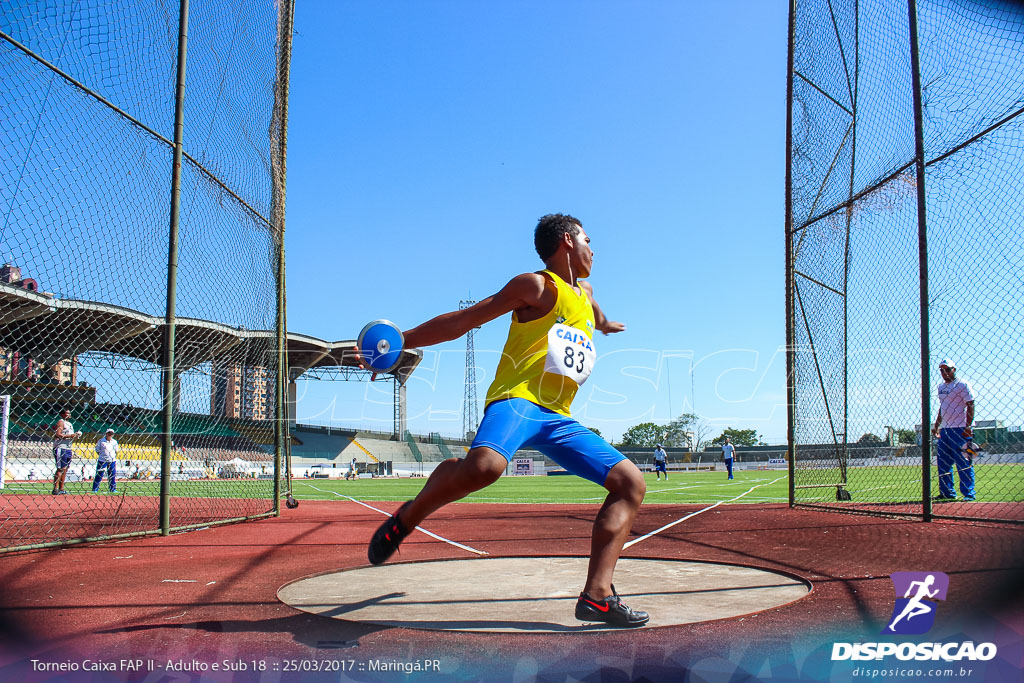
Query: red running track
x: 210, y: 595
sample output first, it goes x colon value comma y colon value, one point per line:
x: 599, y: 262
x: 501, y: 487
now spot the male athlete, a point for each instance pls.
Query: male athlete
x: 549, y: 353
x: 63, y: 434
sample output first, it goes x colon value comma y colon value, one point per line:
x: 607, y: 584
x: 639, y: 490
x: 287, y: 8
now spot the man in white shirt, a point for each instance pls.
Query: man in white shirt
x: 952, y: 429
x: 660, y: 462
x: 106, y: 461
x: 728, y: 451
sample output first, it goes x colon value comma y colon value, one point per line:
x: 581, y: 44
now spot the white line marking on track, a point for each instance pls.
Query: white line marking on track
x: 694, y: 514
x: 677, y: 488
x: 388, y: 514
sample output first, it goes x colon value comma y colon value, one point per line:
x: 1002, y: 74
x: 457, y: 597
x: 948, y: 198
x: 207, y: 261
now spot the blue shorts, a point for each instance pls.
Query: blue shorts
x: 515, y: 423
x: 660, y: 467
x: 62, y: 457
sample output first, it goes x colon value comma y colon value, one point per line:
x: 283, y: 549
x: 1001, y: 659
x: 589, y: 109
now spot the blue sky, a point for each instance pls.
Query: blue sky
x: 425, y: 139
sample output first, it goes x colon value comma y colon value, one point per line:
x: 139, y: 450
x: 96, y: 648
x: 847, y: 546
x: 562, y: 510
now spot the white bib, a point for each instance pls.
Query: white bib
x: 570, y: 353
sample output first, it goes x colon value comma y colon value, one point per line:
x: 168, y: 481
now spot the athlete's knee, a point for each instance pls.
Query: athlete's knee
x: 626, y: 481
x: 483, y: 465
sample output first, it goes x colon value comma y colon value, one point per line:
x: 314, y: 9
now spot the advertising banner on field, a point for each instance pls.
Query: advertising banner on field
x: 522, y: 466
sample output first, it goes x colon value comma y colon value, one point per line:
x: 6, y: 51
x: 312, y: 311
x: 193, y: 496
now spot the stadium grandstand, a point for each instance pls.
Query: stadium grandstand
x: 327, y: 451
x: 41, y: 373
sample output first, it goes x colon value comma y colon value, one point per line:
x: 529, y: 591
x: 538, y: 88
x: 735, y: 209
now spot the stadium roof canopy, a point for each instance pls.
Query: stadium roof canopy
x: 307, y: 353
x: 49, y: 330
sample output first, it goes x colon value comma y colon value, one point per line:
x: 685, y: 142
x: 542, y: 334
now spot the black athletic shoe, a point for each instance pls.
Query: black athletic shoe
x: 386, y: 539
x: 610, y: 610
x: 943, y: 499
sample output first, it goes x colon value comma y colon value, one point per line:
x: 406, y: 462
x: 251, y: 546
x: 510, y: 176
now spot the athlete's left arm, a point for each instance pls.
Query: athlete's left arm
x: 969, y: 429
x: 600, y: 321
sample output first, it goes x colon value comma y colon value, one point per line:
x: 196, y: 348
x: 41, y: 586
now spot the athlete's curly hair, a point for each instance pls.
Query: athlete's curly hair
x: 550, y: 229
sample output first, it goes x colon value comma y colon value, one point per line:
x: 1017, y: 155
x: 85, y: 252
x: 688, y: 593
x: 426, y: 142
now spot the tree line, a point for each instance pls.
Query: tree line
x: 688, y: 430
x: 691, y: 431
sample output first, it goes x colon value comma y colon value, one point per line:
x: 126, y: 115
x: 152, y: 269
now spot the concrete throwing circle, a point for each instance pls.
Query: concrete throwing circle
x: 534, y: 594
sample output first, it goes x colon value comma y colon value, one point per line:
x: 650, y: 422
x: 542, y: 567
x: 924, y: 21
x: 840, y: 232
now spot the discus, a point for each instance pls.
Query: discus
x: 291, y: 503
x: 380, y: 346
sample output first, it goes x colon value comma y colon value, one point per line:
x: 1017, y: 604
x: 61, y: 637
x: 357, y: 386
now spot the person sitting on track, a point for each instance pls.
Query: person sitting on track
x: 549, y: 353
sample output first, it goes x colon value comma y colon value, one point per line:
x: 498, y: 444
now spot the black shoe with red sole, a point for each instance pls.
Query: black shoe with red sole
x: 610, y: 610
x: 386, y: 539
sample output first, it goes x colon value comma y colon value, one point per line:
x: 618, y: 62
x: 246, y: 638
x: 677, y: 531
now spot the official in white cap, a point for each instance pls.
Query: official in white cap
x: 953, y: 429
x: 106, y: 461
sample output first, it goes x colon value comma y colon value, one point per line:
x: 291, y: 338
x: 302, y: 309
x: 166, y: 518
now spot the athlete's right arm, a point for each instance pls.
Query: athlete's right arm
x: 522, y: 291
x: 59, y: 430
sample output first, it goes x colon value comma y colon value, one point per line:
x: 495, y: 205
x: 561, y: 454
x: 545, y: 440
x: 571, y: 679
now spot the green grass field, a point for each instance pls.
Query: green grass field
x: 700, y: 487
x: 995, y: 483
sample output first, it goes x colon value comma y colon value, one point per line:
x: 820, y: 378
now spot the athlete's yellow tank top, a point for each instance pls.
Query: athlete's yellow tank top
x: 521, y: 372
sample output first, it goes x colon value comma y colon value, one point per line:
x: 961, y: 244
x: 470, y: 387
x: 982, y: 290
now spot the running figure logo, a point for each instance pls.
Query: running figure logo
x: 914, y: 613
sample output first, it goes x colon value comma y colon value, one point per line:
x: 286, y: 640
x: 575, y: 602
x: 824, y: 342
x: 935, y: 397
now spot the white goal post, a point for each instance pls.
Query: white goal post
x: 5, y: 410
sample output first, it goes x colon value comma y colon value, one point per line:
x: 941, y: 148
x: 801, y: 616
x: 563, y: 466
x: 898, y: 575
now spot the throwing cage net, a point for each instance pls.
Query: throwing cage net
x: 905, y: 246
x: 141, y: 230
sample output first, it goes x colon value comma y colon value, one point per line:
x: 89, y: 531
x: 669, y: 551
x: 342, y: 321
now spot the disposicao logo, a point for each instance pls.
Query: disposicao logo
x: 914, y: 614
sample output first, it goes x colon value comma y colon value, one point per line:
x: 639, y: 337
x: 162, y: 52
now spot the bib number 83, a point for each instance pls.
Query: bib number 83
x: 570, y: 359
x: 570, y: 353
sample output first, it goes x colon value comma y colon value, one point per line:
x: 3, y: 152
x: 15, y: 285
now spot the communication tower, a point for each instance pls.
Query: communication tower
x: 470, y: 414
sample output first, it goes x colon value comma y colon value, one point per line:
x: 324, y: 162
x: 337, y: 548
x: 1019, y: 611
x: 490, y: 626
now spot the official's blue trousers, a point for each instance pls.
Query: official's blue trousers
x: 728, y: 465
x: 949, y: 454
x: 111, y: 469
